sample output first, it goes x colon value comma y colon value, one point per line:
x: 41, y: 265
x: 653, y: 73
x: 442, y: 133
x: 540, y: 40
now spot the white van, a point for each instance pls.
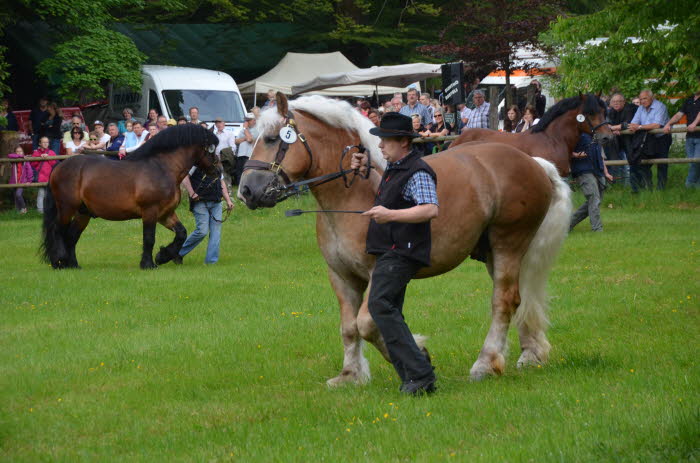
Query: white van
x: 173, y: 90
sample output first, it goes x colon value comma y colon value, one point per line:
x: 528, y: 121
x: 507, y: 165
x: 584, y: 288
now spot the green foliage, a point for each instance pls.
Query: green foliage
x: 650, y: 43
x: 87, y: 63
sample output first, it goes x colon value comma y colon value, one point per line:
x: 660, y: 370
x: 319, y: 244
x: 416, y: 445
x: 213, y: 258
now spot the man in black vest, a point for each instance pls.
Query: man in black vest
x: 205, y: 203
x: 399, y: 235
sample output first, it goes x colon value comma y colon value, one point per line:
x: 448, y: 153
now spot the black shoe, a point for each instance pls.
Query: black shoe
x: 419, y: 387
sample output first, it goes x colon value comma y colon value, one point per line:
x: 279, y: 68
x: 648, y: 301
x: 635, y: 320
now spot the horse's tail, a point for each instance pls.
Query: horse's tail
x: 539, y: 259
x: 53, y: 248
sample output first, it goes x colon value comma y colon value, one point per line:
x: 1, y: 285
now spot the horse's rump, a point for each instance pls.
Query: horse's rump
x: 483, y: 188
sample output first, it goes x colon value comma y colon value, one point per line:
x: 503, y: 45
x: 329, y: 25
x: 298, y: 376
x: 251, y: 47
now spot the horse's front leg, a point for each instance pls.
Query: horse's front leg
x: 149, y: 239
x: 349, y: 291
x: 172, y: 251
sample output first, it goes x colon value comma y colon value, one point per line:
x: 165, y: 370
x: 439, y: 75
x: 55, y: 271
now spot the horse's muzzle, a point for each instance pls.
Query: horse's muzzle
x: 259, y: 189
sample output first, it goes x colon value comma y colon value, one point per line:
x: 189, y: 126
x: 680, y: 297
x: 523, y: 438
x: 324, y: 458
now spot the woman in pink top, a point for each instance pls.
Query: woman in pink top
x: 21, y: 173
x: 42, y: 169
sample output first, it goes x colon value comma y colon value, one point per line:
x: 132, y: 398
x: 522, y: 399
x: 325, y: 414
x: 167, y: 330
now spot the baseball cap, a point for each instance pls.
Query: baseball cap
x: 99, y: 123
x: 218, y: 119
x: 249, y: 116
x: 172, y: 122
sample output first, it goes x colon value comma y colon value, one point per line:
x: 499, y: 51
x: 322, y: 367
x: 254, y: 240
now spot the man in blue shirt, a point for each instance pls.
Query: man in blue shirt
x: 651, y: 114
x: 399, y: 235
x: 589, y: 171
x: 414, y: 107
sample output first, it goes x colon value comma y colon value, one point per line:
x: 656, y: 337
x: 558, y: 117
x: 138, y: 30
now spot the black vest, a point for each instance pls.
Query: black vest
x: 208, y: 188
x: 408, y: 239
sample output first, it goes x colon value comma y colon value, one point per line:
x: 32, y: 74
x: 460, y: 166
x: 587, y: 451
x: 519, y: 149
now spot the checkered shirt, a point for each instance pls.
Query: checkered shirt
x: 479, y: 117
x: 420, y: 188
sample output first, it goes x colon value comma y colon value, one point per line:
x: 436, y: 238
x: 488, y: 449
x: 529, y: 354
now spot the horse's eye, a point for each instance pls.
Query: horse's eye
x: 271, y: 138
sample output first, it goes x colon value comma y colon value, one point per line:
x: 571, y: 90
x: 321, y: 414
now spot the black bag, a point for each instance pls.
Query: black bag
x: 637, y: 147
x: 35, y: 173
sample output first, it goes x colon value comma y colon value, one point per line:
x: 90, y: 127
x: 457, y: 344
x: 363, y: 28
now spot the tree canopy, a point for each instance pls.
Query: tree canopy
x: 628, y: 46
x: 487, y: 34
x: 87, y: 52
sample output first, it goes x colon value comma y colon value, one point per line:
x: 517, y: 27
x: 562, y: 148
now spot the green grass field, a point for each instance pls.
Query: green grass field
x: 229, y: 362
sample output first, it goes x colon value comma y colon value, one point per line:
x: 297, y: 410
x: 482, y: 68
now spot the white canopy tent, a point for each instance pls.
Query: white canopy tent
x: 296, y: 68
x: 402, y: 75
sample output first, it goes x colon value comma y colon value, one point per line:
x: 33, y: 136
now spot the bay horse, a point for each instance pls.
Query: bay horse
x: 497, y: 204
x: 555, y: 136
x: 145, y: 185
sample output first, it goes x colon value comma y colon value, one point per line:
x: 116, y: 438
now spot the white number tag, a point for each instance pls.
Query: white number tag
x: 288, y: 135
x: 580, y: 118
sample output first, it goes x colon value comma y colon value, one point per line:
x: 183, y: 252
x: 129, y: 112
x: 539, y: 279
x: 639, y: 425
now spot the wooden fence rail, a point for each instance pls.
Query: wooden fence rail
x: 415, y: 140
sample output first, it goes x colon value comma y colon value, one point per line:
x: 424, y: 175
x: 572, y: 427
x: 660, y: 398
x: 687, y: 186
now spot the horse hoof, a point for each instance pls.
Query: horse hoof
x: 346, y: 377
x: 484, y: 367
x: 528, y: 359
x: 148, y: 266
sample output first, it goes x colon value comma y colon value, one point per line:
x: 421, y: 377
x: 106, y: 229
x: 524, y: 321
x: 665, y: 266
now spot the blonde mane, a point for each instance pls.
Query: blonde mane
x: 333, y: 112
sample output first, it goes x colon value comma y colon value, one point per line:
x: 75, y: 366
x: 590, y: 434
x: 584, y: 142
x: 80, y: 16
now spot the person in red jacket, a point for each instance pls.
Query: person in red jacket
x: 42, y: 169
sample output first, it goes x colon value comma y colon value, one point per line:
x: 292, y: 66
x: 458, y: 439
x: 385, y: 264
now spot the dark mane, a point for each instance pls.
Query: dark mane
x: 591, y: 105
x: 172, y: 138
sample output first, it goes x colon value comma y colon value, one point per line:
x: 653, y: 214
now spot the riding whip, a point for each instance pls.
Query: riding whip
x: 295, y: 212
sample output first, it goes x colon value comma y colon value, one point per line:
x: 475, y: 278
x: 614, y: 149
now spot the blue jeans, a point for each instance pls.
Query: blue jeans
x: 692, y: 150
x: 204, y: 214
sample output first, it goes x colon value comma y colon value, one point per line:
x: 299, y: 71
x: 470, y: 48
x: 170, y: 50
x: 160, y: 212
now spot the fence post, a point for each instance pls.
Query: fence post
x: 493, y: 108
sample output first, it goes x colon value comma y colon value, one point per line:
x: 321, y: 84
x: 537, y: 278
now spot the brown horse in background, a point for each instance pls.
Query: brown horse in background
x: 145, y: 185
x: 555, y: 136
x: 497, y: 204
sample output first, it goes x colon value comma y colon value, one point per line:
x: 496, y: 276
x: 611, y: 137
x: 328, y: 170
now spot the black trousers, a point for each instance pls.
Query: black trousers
x: 391, y: 276
x: 640, y: 174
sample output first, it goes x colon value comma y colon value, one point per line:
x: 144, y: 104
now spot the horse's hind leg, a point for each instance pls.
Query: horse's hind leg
x: 349, y: 291
x: 504, y: 268
x: 172, y: 251
x: 72, y: 235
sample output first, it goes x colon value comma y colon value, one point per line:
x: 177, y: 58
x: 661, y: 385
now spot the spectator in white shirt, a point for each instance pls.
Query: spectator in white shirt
x: 245, y: 139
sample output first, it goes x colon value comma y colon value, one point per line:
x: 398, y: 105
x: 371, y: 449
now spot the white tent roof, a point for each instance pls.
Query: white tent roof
x: 296, y: 68
x: 401, y: 75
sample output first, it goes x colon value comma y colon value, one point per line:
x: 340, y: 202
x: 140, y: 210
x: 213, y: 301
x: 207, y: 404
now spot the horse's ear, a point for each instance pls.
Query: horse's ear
x: 580, y: 95
x: 600, y: 92
x: 282, y: 106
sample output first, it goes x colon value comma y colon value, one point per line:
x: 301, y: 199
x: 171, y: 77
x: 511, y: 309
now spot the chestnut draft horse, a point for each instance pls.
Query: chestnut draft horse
x: 555, y: 136
x: 497, y: 204
x: 145, y: 184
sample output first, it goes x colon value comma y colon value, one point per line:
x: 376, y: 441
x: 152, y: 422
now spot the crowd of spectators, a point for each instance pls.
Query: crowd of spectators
x: 431, y: 119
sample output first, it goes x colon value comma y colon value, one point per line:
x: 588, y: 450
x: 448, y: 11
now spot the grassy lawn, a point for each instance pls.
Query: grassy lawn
x: 229, y: 362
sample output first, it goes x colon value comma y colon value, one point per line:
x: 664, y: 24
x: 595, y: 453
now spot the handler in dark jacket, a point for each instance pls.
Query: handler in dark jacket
x: 399, y: 235
x: 589, y: 171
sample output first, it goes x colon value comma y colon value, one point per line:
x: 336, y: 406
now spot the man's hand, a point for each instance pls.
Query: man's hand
x: 579, y: 155
x: 609, y: 177
x: 229, y: 204
x: 616, y: 132
x: 359, y: 162
x: 380, y: 214
x: 667, y: 128
x: 633, y: 127
x: 692, y: 127
x: 194, y: 196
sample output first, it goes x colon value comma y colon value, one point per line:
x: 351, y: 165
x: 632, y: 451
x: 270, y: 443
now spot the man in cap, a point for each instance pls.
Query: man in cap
x: 101, y: 137
x: 245, y: 139
x: 399, y: 235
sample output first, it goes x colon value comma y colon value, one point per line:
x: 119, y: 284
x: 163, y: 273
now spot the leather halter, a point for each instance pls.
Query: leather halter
x: 276, y: 165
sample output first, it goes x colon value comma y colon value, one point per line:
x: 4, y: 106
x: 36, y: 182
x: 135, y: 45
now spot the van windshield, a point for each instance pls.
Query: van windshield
x: 211, y: 104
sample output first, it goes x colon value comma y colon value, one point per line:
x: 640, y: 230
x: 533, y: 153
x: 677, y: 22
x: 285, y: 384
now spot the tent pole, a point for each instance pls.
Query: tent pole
x: 255, y: 97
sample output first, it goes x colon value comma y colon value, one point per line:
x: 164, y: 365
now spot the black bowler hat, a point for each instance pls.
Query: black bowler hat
x: 394, y: 125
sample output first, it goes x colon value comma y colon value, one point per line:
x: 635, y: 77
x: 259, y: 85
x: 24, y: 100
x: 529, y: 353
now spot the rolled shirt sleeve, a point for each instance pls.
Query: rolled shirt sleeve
x: 421, y: 189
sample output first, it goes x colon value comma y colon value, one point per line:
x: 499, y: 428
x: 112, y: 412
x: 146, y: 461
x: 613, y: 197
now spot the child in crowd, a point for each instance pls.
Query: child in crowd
x: 21, y: 173
x: 42, y: 169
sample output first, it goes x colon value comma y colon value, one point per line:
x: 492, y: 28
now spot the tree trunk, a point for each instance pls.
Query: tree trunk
x: 509, y: 96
